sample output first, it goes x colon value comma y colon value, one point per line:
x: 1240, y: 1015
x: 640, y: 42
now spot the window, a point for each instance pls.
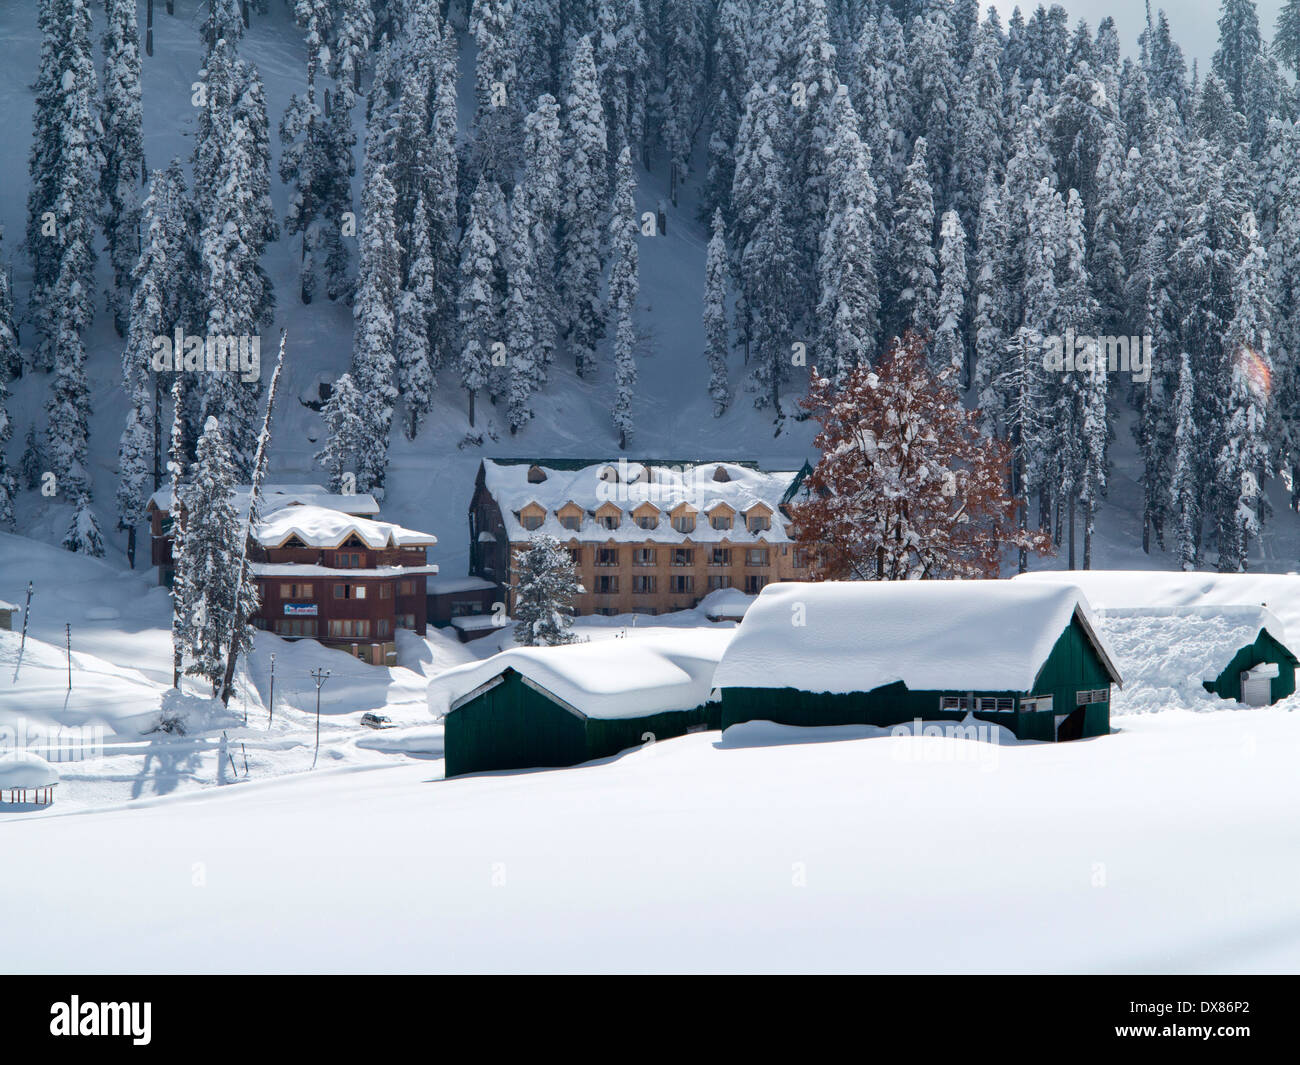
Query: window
x: 720, y: 556
x: 382, y: 626
x: 988, y: 704
x: 295, y: 627
x: 1036, y: 704
x: 721, y: 581
x: 681, y: 583
x: 347, y: 560
x: 406, y: 621
x: 575, y: 555
x: 759, y: 523
x: 721, y: 521
x: 461, y: 608
x: 800, y: 558
x: 606, y: 611
x: 756, y: 556
x: 607, y: 556
x: 295, y: 591
x: 648, y: 521
x: 643, y: 585
x: 643, y: 556
x: 1094, y: 695
x: 531, y: 521
x: 683, y: 556
x: 572, y: 521
x: 343, y: 628
x: 954, y: 702
x: 754, y: 584
x: 349, y: 591
x: 607, y: 585
x: 406, y: 587
x: 385, y: 591
x: 610, y: 521
x: 684, y: 523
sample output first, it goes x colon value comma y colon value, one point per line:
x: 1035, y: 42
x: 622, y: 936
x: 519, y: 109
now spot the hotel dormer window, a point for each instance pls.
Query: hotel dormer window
x: 684, y: 523
x: 531, y: 521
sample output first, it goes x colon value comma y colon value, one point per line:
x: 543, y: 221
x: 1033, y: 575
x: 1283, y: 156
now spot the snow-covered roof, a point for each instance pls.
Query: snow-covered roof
x: 1106, y: 589
x: 618, y: 677
x: 932, y: 635
x: 725, y: 603
x: 275, y: 496
x: 448, y: 585
x: 22, y: 769
x: 325, y: 527
x: 1167, y: 652
x: 629, y: 486
x: 298, y: 570
x: 7, y: 605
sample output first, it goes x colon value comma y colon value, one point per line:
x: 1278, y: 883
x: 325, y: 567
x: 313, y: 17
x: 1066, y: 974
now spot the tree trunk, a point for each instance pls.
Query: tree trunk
x: 148, y: 26
x: 1071, y: 531
x: 1087, y: 536
x: 471, y: 407
x: 130, y: 545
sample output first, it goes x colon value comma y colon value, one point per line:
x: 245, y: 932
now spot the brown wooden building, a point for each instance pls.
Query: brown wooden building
x: 349, y: 582
x: 647, y: 537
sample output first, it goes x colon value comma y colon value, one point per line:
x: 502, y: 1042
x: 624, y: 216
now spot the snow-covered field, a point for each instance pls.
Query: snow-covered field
x: 1171, y: 846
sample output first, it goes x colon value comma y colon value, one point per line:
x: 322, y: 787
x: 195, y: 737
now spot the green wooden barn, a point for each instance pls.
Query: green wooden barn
x: 1239, y: 653
x: 539, y: 707
x: 1027, y: 657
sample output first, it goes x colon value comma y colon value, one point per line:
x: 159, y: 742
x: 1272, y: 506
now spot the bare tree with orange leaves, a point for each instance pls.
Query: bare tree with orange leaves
x: 907, y: 486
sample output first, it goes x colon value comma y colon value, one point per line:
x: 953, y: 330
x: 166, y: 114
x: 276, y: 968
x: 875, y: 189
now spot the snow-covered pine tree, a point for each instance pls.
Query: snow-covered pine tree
x: 11, y: 355
x: 224, y: 21
x: 539, y: 39
x: 1244, y: 459
x: 715, y: 316
x: 522, y: 314
x: 207, y: 567
x: 68, y: 413
x: 540, y: 187
x: 977, y: 125
x: 728, y: 84
x: 123, y: 171
x: 1240, y: 44
x: 914, y: 283
x: 374, y: 315
x: 848, y: 305
x: 33, y: 463
x: 1184, y: 495
x: 495, y: 128
x: 949, y: 348
x: 582, y: 210
x: 347, y: 432
x: 624, y: 285
x: 416, y: 309
x: 441, y: 200
x: 1286, y: 37
x: 878, y: 84
x: 8, y: 483
x: 619, y: 41
x: 679, y: 96
x: 991, y: 325
x: 479, y: 302
x: 936, y: 80
x: 544, y: 594
x: 66, y: 162
x: 83, y: 534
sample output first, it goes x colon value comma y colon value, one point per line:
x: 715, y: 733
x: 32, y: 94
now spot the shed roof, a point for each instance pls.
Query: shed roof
x: 619, y: 677
x: 325, y: 527
x: 842, y: 636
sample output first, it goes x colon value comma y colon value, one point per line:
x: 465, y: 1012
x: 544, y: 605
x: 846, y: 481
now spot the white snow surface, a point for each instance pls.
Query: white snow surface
x: 842, y: 636
x: 645, y: 672
x: 274, y: 496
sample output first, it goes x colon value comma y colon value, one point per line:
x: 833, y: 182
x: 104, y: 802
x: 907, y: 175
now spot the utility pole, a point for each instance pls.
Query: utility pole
x: 67, y: 631
x: 320, y: 676
x: 271, y: 699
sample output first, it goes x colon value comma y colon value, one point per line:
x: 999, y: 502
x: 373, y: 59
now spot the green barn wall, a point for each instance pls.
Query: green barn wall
x: 1227, y: 685
x: 1072, y: 665
x: 515, y: 726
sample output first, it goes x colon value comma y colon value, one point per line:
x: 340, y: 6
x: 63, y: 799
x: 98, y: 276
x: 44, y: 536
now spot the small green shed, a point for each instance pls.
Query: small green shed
x: 884, y: 653
x: 540, y: 707
x: 1239, y: 653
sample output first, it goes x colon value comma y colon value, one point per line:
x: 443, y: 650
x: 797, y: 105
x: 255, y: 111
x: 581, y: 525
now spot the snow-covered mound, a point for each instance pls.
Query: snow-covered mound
x: 644, y: 673
x: 22, y: 769
x: 1112, y: 589
x: 856, y: 636
x: 725, y: 603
